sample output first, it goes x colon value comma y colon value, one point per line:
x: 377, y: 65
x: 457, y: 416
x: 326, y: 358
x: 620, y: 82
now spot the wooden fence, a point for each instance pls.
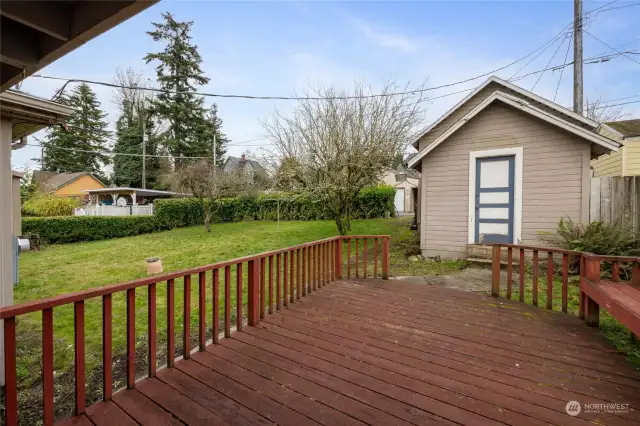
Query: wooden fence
x: 616, y: 199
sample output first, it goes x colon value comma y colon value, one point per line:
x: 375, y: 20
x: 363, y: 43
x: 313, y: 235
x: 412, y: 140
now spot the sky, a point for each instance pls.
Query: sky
x: 280, y: 48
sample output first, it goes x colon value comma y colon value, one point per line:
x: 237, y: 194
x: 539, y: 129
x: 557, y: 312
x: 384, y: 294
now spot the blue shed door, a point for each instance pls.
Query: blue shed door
x: 495, y: 181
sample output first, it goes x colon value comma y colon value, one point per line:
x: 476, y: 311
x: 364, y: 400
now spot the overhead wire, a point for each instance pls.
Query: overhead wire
x: 566, y: 56
x: 549, y: 63
x: 611, y: 47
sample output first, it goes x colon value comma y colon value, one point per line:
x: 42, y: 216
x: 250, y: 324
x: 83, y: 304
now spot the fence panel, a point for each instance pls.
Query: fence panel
x: 616, y: 199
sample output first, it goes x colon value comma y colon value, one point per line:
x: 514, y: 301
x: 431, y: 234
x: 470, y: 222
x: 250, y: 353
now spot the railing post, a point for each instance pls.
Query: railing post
x: 385, y: 258
x: 495, y: 271
x: 592, y: 309
x: 253, y: 293
x: 339, y: 258
x: 635, y: 274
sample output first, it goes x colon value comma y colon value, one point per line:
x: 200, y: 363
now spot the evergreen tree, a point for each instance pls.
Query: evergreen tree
x: 179, y: 71
x: 127, y: 169
x: 84, y: 134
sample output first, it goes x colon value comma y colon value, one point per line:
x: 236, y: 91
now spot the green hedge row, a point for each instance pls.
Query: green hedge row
x: 371, y: 202
x: 71, y: 229
x: 175, y: 213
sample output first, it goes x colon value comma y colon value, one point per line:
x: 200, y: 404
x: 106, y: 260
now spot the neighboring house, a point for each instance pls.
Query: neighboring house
x: 503, y: 165
x: 405, y: 181
x: 251, y: 170
x: 66, y: 184
x: 625, y: 162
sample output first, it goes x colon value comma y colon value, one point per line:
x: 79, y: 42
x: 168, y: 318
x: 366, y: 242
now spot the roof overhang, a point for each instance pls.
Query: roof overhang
x: 137, y: 191
x: 510, y: 86
x: 33, y: 34
x: 30, y: 113
x: 526, y: 107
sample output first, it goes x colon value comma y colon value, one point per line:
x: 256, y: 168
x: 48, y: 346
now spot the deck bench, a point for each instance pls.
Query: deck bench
x: 620, y: 298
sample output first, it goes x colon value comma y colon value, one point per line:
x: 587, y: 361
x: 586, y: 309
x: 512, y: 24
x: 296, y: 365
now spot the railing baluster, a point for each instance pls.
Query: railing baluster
x: 78, y: 310
x: 285, y: 279
x: 171, y: 332
x: 239, y: 297
x: 278, y: 270
x: 253, y: 292
x: 107, y: 361
x: 535, y: 278
x: 215, y: 297
x: 304, y: 271
x: 309, y: 269
x: 615, y: 271
x: 339, y: 246
x: 151, y: 311
x: 314, y: 266
x: 47, y: 366
x: 332, y: 259
x: 364, y: 258
x: 357, y: 264
x: 202, y: 310
x: 385, y: 258
x: 509, y: 271
x: 327, y: 273
x: 349, y: 258
x: 292, y: 271
x: 496, y: 251
x: 186, y: 313
x: 565, y: 281
x: 375, y: 257
x: 550, y: 280
x: 10, y: 379
x: 521, y: 296
x: 262, y: 286
x: 298, y: 271
x: 227, y: 301
x: 270, y: 284
x: 635, y: 273
x: 131, y: 338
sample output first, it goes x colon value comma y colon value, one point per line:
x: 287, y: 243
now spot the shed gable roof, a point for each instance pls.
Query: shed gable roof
x: 506, y: 87
x: 526, y: 107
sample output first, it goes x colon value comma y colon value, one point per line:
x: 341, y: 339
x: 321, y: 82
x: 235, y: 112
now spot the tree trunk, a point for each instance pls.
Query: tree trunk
x: 342, y: 223
x: 207, y: 218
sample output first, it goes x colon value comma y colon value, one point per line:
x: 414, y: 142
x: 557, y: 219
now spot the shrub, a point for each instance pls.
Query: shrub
x: 598, y: 238
x: 73, y: 229
x: 48, y: 205
x: 372, y: 202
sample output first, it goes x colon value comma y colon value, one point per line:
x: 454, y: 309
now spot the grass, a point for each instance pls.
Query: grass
x: 615, y: 332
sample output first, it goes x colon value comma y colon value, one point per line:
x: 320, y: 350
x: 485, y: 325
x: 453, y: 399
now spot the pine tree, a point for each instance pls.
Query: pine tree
x: 74, y: 147
x: 179, y: 71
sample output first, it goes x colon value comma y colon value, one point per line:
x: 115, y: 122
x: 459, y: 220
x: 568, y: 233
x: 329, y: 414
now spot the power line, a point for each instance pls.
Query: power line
x: 611, y: 47
x: 549, y: 63
x: 613, y: 105
x: 566, y: 56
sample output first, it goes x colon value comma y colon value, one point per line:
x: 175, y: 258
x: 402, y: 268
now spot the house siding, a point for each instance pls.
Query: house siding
x: 608, y: 164
x: 555, y: 164
x: 75, y: 188
x: 632, y: 158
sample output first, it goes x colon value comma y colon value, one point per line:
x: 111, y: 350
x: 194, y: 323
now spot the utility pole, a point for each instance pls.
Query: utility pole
x: 215, y: 156
x: 577, y: 57
x: 144, y: 153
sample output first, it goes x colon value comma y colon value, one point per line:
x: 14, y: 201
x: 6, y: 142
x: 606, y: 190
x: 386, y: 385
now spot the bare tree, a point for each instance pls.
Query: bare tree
x: 207, y: 184
x: 335, y: 143
x: 597, y: 111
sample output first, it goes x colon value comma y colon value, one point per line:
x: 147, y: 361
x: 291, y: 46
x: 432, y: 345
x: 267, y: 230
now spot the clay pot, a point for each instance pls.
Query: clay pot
x: 154, y: 266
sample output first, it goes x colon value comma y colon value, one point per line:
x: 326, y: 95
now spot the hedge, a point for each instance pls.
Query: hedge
x: 50, y: 205
x: 371, y: 202
x: 71, y: 229
x: 176, y: 213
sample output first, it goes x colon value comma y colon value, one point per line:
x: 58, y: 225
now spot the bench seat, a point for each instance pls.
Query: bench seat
x: 620, y: 299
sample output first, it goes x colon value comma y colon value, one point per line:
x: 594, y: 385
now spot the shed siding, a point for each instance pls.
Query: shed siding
x: 632, y: 157
x: 554, y: 170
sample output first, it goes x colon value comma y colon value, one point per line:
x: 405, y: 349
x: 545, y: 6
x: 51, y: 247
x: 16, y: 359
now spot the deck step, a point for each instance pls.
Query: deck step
x: 487, y: 262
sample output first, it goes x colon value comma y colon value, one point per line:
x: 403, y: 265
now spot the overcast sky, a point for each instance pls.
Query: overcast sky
x: 279, y: 48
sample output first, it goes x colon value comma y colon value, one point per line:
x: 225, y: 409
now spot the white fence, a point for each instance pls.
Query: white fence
x: 141, y: 210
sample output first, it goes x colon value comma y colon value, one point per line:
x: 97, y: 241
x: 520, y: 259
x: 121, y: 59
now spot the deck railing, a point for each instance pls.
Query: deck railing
x: 291, y: 273
x: 589, y: 266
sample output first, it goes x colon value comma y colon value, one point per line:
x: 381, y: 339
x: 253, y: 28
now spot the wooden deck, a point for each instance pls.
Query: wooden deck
x: 389, y: 352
